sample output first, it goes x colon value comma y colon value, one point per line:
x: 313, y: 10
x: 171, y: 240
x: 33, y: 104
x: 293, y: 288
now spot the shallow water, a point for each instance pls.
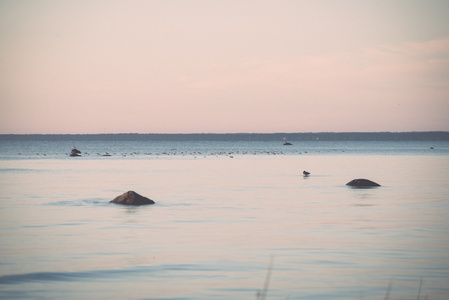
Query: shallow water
x: 218, y: 221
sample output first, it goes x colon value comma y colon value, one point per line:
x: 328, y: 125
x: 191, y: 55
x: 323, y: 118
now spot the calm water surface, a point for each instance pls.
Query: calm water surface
x: 219, y: 221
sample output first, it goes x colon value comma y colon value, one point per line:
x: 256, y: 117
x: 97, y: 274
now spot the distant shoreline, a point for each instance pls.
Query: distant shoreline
x: 304, y: 136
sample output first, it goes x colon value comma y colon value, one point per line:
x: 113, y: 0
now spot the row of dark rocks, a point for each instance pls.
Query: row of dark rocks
x: 133, y: 198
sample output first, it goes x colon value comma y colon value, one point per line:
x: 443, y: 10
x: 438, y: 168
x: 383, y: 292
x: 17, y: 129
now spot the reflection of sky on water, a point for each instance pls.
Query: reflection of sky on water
x: 216, y: 222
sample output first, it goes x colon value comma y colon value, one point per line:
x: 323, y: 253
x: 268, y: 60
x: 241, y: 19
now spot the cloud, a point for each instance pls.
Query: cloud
x: 432, y: 49
x: 387, y: 87
x: 427, y: 62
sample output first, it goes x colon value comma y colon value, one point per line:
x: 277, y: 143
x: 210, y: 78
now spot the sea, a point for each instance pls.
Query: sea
x: 231, y: 220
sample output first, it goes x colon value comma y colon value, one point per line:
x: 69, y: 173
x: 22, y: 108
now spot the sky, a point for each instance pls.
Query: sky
x: 223, y: 66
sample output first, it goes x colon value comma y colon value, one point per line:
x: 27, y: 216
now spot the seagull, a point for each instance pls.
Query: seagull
x: 306, y: 173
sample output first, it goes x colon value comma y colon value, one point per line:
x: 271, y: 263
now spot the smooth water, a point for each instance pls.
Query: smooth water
x: 222, y: 226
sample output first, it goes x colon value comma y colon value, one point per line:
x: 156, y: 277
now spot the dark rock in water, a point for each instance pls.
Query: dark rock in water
x: 75, y: 152
x: 132, y: 198
x: 362, y: 183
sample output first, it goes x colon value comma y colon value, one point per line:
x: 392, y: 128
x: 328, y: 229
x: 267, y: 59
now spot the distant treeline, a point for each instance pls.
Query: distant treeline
x: 306, y: 136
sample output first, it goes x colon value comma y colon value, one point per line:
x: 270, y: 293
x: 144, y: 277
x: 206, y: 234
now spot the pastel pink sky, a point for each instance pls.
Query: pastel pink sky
x: 223, y: 66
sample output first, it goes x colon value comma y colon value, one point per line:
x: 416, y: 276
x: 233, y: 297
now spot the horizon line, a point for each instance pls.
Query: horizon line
x: 223, y: 133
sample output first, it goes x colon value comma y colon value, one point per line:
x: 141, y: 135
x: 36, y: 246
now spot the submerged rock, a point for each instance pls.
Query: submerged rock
x: 362, y: 183
x: 132, y: 198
